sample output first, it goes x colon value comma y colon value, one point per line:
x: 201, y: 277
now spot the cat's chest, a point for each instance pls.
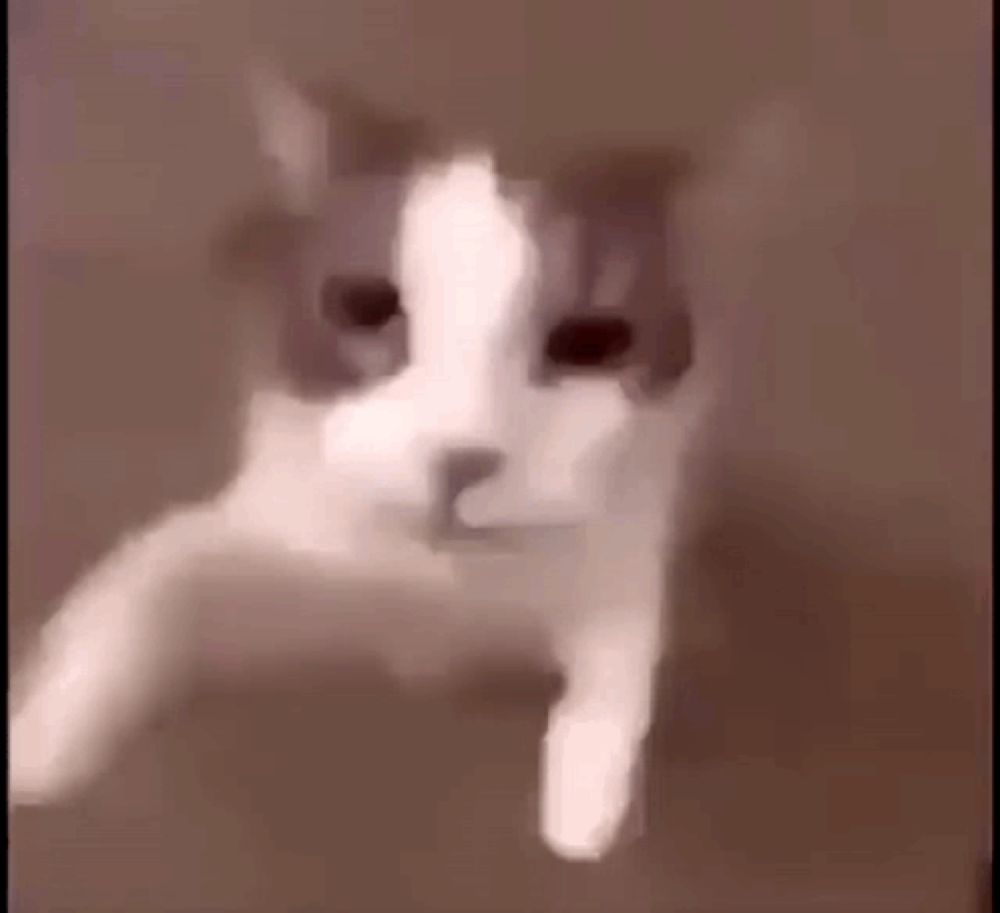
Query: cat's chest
x: 545, y: 565
x: 541, y: 573
x: 493, y: 603
x: 362, y: 586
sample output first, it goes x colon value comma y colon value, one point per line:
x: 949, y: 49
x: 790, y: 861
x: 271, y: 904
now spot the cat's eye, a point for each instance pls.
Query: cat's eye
x: 363, y: 304
x: 587, y: 343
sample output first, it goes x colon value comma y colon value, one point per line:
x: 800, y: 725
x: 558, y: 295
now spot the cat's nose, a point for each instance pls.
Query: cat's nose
x: 460, y: 468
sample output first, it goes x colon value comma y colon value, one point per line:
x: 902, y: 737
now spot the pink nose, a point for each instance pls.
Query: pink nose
x: 460, y: 468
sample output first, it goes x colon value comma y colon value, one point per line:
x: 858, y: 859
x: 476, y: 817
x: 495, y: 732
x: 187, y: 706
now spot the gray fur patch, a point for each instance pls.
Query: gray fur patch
x: 601, y: 222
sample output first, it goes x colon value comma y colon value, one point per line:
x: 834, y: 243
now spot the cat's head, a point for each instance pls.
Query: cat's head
x: 468, y: 330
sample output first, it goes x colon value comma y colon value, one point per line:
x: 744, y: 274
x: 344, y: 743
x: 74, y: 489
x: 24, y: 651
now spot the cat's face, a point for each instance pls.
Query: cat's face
x: 484, y: 345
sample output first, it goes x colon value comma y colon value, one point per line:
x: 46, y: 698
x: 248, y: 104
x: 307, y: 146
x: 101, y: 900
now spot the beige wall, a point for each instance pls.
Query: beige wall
x: 857, y: 313
x: 863, y: 355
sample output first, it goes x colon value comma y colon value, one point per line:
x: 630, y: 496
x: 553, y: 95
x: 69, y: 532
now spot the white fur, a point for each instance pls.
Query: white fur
x: 330, y: 489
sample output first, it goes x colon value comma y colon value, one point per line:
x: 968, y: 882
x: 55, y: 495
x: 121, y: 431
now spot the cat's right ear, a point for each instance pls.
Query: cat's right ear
x: 293, y: 135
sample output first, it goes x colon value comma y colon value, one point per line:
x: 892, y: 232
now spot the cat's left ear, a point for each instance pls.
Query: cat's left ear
x: 293, y: 134
x: 312, y: 135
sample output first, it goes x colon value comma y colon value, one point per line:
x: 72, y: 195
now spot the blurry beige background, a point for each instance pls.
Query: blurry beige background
x: 829, y: 750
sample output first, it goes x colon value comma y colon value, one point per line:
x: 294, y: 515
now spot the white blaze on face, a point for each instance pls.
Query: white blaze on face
x: 466, y: 263
x: 464, y: 259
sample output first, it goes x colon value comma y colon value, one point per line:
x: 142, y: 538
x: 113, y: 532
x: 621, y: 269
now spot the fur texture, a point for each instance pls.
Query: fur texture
x: 467, y: 420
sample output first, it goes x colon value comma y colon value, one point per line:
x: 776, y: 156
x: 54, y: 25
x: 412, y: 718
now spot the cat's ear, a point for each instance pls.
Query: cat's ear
x: 759, y: 172
x: 293, y: 135
x: 312, y: 134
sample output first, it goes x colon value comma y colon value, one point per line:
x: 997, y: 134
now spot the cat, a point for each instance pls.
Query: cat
x: 471, y: 386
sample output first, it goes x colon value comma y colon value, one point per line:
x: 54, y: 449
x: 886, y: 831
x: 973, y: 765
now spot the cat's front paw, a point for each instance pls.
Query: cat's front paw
x: 43, y: 764
x: 56, y: 738
x: 587, y: 786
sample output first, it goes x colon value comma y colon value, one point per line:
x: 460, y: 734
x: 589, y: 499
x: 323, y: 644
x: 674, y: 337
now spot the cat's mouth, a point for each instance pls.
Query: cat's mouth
x: 457, y: 536
x: 460, y: 537
x: 446, y: 530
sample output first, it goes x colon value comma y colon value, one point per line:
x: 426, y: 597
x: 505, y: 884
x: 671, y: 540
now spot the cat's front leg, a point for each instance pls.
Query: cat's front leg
x: 105, y: 657
x: 596, y: 732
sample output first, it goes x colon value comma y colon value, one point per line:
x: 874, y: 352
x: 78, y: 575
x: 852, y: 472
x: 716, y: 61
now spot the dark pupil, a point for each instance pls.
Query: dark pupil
x: 588, y: 342
x: 366, y: 304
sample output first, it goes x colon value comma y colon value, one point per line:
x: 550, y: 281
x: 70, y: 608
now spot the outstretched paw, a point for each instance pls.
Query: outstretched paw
x: 587, y: 788
x: 59, y: 734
